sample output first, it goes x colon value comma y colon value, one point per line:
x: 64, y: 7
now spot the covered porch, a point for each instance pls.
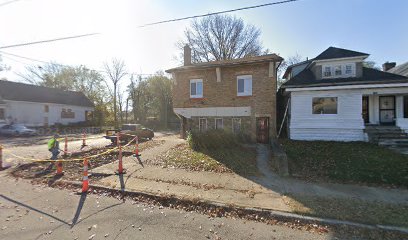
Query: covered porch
x: 385, y: 107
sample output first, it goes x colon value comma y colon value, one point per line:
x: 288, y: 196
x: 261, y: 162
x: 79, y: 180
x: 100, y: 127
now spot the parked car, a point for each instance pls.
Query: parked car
x: 129, y: 131
x: 17, y: 130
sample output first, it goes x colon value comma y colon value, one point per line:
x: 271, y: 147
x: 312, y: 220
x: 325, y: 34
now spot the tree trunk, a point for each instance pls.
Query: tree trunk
x: 114, y: 107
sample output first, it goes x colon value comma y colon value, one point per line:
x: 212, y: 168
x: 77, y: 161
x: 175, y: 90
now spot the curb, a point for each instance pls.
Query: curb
x: 283, y: 216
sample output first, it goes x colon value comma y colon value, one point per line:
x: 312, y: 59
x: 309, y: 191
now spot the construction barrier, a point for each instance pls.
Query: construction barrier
x: 137, y: 147
x: 66, y: 147
x: 84, y: 139
x: 1, y: 157
x: 59, y: 166
x: 85, y: 180
x: 120, y: 166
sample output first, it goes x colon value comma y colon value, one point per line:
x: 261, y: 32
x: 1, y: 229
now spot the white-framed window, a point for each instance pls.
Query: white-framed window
x: 236, y: 125
x: 349, y: 69
x: 219, y: 123
x: 337, y: 70
x: 202, y: 124
x: 244, y: 85
x: 324, y: 105
x: 327, y: 71
x: 196, y: 88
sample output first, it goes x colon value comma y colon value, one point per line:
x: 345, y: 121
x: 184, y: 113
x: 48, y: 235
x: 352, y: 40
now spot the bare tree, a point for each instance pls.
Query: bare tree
x: 116, y: 70
x: 222, y: 37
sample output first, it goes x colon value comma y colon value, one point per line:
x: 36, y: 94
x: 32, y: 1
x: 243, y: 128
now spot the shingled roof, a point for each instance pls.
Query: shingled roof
x: 14, y: 91
x: 370, y: 76
x: 333, y: 52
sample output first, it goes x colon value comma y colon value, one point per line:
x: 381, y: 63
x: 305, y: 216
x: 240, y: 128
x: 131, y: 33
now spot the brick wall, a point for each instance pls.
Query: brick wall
x: 224, y: 93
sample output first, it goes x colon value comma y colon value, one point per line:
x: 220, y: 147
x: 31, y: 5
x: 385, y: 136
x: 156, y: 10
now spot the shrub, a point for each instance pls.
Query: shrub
x: 213, y: 139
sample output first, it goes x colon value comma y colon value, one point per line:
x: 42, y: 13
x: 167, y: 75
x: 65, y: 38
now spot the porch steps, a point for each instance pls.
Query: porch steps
x: 391, y: 137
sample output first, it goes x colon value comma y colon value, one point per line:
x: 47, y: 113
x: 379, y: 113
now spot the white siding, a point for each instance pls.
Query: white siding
x: 346, y: 125
x: 33, y: 114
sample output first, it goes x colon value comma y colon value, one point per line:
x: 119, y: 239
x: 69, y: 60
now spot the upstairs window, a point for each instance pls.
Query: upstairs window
x: 325, y: 105
x: 244, y: 85
x: 327, y: 72
x: 196, y: 88
x: 2, y: 114
x: 337, y: 70
x: 349, y: 69
x: 46, y: 108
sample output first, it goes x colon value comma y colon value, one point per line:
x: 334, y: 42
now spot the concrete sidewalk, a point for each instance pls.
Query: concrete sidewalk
x: 264, y: 192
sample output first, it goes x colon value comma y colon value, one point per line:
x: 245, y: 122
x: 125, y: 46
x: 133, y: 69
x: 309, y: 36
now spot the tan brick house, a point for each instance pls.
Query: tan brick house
x: 236, y: 95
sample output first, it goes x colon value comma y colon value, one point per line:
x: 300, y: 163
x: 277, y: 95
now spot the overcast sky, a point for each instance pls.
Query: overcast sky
x: 306, y: 27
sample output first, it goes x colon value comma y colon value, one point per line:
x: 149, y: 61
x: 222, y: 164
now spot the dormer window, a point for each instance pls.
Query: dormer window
x: 337, y: 70
x: 327, y: 71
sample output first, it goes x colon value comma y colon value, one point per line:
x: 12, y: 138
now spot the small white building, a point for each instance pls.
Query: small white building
x: 334, y: 97
x: 41, y: 106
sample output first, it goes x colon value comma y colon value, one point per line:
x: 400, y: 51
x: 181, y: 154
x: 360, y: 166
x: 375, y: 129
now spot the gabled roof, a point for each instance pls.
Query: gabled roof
x: 239, y: 61
x: 370, y: 76
x: 30, y: 93
x: 401, y: 69
x: 333, y: 52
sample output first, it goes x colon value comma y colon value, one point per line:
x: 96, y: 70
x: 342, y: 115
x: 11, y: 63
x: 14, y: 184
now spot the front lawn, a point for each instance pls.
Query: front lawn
x: 350, y: 209
x: 241, y: 160
x: 349, y: 162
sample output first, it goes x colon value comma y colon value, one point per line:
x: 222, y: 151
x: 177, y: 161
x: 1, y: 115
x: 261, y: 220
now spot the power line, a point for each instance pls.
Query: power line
x: 6, y: 3
x: 216, y: 13
x: 53, y: 63
x: 49, y: 40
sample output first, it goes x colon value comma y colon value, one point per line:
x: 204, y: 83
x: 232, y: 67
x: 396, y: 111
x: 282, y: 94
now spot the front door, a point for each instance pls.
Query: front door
x: 262, y: 130
x: 365, y: 112
x: 387, y: 110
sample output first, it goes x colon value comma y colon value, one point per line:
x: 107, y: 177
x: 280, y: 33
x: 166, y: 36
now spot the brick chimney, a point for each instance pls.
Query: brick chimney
x: 388, y: 65
x: 187, y: 55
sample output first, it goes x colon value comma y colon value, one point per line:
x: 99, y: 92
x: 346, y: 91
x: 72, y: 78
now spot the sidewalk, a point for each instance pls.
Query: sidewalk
x: 229, y: 188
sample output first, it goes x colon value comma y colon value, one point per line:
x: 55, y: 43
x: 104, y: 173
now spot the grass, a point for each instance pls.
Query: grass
x: 350, y: 209
x: 346, y: 162
x: 241, y: 160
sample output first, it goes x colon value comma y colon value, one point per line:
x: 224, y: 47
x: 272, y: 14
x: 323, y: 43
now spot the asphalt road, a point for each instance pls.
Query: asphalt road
x: 38, y: 212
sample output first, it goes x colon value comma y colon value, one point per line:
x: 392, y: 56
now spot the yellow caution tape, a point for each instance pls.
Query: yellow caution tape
x: 67, y: 160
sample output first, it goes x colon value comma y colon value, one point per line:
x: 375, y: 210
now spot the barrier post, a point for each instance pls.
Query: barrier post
x: 85, y: 181
x: 137, y: 147
x: 84, y: 139
x: 120, y: 167
x: 66, y: 147
x: 1, y: 157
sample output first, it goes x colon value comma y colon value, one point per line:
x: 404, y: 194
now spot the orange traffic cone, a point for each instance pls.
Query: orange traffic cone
x: 59, y: 168
x: 85, y: 181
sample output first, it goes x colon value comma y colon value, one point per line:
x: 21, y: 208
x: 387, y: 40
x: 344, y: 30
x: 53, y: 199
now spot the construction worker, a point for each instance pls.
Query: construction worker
x: 53, y: 147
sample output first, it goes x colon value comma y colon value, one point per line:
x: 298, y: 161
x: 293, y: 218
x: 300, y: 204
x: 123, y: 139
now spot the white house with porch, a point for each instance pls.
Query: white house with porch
x: 334, y: 97
x: 41, y: 106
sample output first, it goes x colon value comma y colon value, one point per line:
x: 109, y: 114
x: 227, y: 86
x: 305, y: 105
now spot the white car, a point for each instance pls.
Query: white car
x: 17, y: 130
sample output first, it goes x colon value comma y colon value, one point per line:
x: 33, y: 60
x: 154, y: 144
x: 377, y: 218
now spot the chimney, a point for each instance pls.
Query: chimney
x: 388, y: 65
x: 187, y: 55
